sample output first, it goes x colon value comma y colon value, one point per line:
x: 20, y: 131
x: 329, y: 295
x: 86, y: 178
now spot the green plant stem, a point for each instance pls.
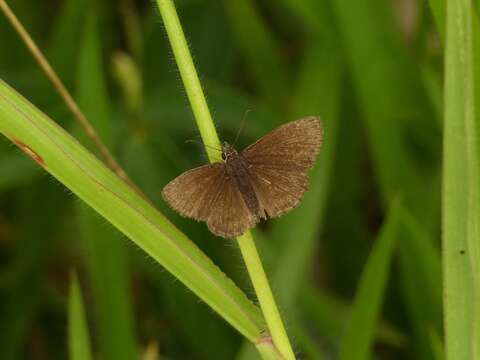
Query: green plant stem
x: 210, y: 139
x: 190, y: 78
x: 264, y: 295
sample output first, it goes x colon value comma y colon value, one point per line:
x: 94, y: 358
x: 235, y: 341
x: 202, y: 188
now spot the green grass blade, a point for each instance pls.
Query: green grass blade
x: 260, y: 50
x: 106, y: 255
x: 21, y: 295
x: 88, y: 178
x: 63, y: 49
x: 361, y: 328
x: 308, y: 344
x: 393, y: 102
x: 420, y: 268
x: 318, y: 92
x: 79, y: 339
x: 461, y: 213
x: 107, y: 262
x: 438, y: 10
x: 329, y: 316
x: 308, y: 12
x: 91, y: 89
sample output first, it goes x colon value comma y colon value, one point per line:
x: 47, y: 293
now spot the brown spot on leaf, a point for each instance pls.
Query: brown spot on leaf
x: 28, y: 150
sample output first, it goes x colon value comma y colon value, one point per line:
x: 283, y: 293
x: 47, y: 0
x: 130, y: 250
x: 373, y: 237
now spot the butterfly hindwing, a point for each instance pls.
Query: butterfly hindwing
x: 207, y: 194
x: 278, y: 163
x: 278, y: 191
x: 230, y: 216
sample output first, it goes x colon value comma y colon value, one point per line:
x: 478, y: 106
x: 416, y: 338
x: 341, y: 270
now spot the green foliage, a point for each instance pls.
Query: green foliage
x: 356, y: 269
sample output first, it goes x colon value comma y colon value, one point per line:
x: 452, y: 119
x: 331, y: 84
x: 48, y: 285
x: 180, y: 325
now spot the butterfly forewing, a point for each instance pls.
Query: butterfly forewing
x: 278, y: 163
x: 192, y: 193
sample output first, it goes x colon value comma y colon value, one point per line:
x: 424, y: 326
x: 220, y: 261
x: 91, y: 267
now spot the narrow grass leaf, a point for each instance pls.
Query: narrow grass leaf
x: 460, y: 189
x: 22, y: 301
x: 439, y: 14
x: 67, y: 29
x: 305, y: 10
x: 394, y: 106
x: 309, y: 345
x: 79, y: 338
x: 87, y: 177
x: 471, y: 53
x: 360, y: 331
x: 105, y: 254
x: 318, y: 92
x: 420, y: 269
x: 329, y: 315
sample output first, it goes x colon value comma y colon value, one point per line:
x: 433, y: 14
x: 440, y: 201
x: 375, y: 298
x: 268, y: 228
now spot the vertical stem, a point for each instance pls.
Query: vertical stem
x: 190, y: 78
x: 209, y: 136
x: 264, y: 295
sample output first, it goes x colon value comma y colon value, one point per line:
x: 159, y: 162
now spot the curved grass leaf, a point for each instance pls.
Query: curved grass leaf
x: 361, y: 328
x: 79, y: 339
x: 89, y: 179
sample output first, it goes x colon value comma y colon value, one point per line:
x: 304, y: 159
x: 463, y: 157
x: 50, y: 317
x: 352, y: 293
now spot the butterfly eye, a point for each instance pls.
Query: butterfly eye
x: 223, y: 156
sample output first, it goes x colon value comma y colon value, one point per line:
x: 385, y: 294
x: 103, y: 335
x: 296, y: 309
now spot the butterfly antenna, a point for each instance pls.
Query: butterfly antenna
x: 242, y: 125
x: 202, y: 144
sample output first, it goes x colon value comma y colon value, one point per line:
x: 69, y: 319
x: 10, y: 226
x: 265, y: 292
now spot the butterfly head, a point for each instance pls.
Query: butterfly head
x: 228, y: 152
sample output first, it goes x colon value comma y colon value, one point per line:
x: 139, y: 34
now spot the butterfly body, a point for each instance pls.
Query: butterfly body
x: 267, y: 178
x: 237, y: 169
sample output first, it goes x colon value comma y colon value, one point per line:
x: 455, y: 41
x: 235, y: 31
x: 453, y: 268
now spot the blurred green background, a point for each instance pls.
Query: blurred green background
x: 371, y: 69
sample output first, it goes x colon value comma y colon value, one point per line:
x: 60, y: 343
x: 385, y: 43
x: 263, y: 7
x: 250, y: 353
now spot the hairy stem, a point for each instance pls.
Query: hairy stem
x: 210, y: 139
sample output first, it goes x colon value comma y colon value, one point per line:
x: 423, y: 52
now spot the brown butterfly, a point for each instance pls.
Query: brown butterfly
x: 266, y: 179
